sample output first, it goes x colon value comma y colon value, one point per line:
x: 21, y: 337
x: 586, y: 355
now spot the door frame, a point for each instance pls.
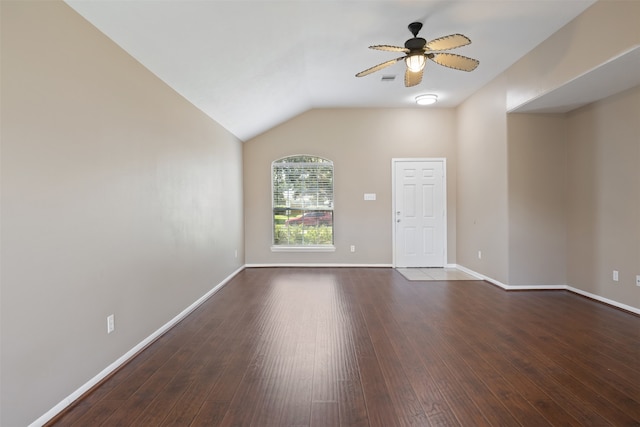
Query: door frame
x: 394, y: 163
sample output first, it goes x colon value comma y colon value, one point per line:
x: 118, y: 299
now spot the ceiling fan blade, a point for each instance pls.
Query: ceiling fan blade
x: 457, y: 62
x: 412, y: 78
x: 389, y: 48
x: 447, y: 42
x: 378, y: 67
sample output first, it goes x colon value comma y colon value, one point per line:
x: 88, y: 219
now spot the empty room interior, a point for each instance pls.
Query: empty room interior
x: 159, y: 260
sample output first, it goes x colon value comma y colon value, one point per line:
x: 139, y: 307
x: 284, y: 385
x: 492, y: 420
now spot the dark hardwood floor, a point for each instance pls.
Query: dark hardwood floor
x: 366, y: 347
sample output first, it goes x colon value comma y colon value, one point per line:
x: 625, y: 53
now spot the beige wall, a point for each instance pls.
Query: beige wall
x: 537, y: 155
x: 482, y: 183
x: 361, y: 143
x: 604, y: 197
x: 496, y: 185
x: 118, y: 197
x: 604, y: 31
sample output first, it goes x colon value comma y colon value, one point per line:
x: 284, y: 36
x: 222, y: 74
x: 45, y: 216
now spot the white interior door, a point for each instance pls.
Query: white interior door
x: 420, y: 214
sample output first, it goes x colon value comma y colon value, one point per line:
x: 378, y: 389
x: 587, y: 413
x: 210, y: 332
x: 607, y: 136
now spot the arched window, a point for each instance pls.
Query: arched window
x: 302, y: 195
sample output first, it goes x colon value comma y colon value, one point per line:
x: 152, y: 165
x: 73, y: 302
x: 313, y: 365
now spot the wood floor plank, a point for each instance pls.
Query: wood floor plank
x: 434, y: 404
x: 618, y: 392
x: 352, y: 407
x: 529, y: 358
x: 100, y: 411
x: 365, y: 347
x: 584, y: 383
x: 211, y: 413
x: 501, y: 363
x: 408, y: 408
x: 427, y: 334
x: 511, y: 386
x: 324, y: 414
x: 380, y: 409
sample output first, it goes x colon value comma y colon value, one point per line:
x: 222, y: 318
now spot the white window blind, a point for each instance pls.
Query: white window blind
x: 302, y: 195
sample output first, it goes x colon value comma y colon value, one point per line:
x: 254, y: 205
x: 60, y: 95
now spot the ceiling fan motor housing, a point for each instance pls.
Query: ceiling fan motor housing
x: 415, y: 44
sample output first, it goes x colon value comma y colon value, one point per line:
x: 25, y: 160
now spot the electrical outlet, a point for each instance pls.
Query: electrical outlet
x: 638, y: 280
x: 615, y: 275
x: 111, y: 325
x: 236, y: 253
x: 353, y: 248
x: 479, y: 254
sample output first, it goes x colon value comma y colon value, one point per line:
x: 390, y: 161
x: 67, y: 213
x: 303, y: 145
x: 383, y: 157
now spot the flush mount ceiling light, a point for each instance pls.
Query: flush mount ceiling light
x: 427, y: 99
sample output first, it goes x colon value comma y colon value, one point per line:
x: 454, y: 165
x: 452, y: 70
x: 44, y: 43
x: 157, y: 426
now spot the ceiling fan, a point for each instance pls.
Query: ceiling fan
x: 418, y: 50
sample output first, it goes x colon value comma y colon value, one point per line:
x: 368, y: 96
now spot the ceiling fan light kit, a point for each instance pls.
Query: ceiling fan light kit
x: 426, y: 99
x: 415, y: 62
x: 417, y: 50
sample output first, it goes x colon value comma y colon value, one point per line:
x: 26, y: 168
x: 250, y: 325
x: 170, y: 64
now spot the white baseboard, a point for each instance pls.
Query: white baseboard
x: 318, y: 265
x: 604, y: 300
x: 479, y: 276
x: 551, y: 287
x: 512, y: 287
x: 64, y: 403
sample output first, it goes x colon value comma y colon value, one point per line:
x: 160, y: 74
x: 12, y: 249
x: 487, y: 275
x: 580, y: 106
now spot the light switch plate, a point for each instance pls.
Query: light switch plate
x: 369, y: 196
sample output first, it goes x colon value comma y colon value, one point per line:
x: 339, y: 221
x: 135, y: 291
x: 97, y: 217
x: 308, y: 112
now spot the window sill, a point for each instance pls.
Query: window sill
x: 284, y: 248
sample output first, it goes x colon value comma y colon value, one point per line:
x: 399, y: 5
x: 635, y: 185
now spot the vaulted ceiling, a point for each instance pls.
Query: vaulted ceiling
x: 252, y: 65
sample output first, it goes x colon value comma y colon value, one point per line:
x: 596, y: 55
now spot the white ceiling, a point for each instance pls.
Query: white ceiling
x: 252, y: 65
